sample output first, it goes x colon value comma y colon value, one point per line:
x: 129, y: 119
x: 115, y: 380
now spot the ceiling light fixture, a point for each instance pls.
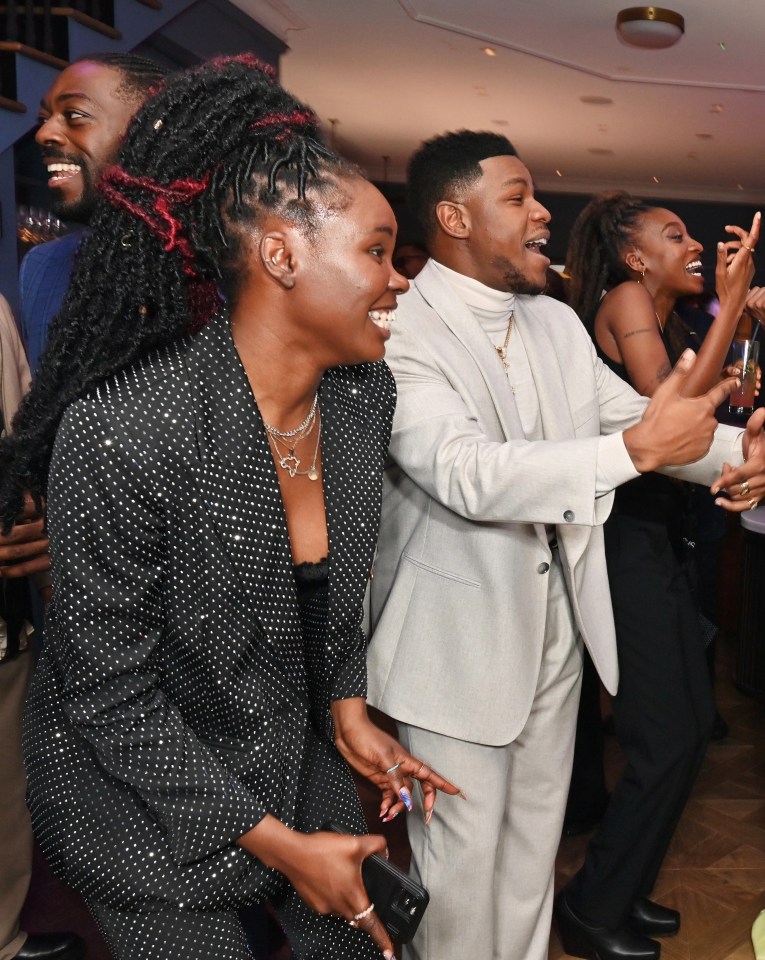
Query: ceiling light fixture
x: 490, y: 51
x: 651, y: 28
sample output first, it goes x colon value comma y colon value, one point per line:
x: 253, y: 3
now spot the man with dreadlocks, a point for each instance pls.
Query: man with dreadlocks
x: 213, y: 500
x: 83, y: 118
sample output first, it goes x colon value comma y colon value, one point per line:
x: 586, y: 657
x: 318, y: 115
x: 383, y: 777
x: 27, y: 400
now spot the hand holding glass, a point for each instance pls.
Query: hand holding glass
x: 743, y: 359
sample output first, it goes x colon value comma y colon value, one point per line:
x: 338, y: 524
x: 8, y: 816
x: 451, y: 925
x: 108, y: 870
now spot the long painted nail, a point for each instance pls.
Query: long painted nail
x: 390, y: 817
x: 388, y: 954
x: 406, y: 797
x: 383, y: 813
x: 428, y: 815
x: 461, y: 794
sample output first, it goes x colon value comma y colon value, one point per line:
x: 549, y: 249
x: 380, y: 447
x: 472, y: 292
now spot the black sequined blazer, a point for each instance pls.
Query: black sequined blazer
x: 171, y: 708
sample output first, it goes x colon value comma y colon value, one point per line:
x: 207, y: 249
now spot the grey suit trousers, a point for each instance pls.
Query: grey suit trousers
x: 512, y: 818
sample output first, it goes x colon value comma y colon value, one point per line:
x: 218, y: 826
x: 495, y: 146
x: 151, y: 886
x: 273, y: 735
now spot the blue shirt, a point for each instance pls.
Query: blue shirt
x: 43, y: 281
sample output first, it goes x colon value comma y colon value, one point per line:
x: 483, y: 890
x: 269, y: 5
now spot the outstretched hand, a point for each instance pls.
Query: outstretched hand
x: 744, y: 485
x: 735, y: 265
x: 381, y: 759
x: 676, y: 429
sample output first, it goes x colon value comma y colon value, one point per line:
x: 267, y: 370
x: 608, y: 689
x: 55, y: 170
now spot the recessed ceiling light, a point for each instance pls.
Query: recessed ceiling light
x: 721, y: 45
x: 490, y: 51
x: 716, y: 108
x: 705, y: 136
x: 655, y: 179
x: 596, y: 101
x: 600, y: 151
x: 558, y: 173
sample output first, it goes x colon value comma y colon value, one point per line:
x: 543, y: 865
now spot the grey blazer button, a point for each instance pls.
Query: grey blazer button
x: 568, y: 516
x: 543, y: 568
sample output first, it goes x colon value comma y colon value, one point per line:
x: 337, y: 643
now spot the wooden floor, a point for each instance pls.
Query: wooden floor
x: 715, y: 870
x: 714, y: 873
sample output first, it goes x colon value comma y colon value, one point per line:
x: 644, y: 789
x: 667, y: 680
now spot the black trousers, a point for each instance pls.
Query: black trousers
x: 663, y: 713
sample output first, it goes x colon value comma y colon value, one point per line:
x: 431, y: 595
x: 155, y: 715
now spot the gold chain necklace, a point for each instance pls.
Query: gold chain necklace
x: 502, y: 351
x: 289, y: 461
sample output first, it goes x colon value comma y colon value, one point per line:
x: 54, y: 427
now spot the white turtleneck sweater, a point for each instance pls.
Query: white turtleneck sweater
x: 491, y: 309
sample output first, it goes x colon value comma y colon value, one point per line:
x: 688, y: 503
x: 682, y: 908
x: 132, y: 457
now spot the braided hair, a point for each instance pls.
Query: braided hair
x: 595, y: 262
x: 215, y: 148
x: 139, y: 74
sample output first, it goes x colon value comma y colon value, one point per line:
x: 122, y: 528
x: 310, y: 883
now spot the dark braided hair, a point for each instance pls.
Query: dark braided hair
x: 595, y: 262
x: 443, y: 166
x: 216, y: 148
x: 139, y: 73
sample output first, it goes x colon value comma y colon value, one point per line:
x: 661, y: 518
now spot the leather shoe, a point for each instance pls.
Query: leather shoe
x: 652, y: 919
x: 581, y: 938
x: 52, y: 946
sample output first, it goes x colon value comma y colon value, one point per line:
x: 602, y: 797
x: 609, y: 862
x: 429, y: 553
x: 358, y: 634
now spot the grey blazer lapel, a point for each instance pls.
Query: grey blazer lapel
x: 436, y: 293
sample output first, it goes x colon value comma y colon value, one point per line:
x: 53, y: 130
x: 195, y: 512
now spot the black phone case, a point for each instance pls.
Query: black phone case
x: 399, y: 901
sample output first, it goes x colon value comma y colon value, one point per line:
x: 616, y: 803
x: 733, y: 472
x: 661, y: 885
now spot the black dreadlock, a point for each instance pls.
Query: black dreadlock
x: 602, y: 233
x: 217, y: 146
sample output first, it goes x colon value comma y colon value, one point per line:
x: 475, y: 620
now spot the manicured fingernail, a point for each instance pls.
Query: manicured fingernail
x: 390, y: 817
x: 383, y: 812
x: 406, y: 797
x: 461, y: 794
x: 387, y: 853
x: 428, y: 815
x: 388, y: 954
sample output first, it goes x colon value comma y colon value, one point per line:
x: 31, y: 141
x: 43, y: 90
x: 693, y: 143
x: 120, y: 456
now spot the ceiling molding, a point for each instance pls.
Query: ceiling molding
x: 497, y: 41
x: 274, y: 15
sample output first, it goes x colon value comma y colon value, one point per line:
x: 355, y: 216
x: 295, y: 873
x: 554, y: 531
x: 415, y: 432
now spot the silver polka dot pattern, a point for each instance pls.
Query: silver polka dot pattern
x: 178, y: 700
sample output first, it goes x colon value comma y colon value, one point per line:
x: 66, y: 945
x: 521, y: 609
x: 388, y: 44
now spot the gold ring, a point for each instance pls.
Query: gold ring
x: 416, y: 775
x: 744, y: 488
x: 393, y: 768
x: 750, y: 249
x: 753, y: 504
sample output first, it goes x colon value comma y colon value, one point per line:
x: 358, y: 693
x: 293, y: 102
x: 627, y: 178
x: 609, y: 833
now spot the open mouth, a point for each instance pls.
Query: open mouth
x: 536, y: 245
x: 60, y: 172
x: 382, y: 318
x: 694, y: 268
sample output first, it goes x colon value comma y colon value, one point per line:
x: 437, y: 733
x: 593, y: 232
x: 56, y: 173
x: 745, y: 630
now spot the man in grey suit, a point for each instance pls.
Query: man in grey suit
x: 508, y: 440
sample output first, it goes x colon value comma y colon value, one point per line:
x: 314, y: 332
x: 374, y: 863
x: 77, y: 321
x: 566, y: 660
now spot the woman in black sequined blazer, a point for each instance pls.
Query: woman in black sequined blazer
x: 213, y: 506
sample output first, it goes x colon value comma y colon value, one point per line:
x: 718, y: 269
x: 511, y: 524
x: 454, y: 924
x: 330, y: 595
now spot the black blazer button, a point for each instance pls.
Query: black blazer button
x: 568, y: 516
x: 543, y: 568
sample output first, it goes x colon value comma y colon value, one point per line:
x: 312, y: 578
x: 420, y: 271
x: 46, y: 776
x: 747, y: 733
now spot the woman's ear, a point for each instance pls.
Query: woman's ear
x: 277, y: 258
x: 635, y: 262
x: 454, y: 219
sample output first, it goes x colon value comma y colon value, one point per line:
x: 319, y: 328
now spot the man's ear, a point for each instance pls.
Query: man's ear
x: 453, y: 219
x: 278, y: 258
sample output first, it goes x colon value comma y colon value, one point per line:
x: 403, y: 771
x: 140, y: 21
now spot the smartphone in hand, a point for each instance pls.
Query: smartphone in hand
x: 399, y: 901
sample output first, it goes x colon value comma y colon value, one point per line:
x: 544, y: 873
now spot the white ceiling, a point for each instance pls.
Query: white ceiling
x: 394, y: 72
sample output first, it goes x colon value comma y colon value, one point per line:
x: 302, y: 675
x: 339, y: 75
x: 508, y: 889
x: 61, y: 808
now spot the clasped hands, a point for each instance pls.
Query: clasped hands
x: 24, y: 549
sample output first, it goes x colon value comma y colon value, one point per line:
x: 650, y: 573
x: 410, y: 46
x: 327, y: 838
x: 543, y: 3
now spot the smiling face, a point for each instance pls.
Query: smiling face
x: 670, y: 257
x: 83, y: 118
x: 507, y: 228
x: 346, y: 287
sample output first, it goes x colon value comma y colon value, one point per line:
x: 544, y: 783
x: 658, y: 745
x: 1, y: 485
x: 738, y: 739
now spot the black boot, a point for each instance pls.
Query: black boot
x: 581, y: 938
x: 652, y: 919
